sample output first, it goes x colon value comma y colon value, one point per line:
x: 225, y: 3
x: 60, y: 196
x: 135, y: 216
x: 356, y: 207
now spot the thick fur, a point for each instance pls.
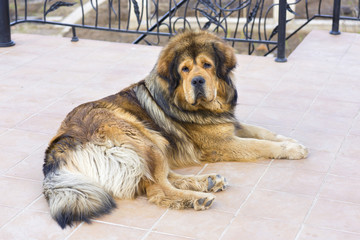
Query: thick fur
x: 126, y: 144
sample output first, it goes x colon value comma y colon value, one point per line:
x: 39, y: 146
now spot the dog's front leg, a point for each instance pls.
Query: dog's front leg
x: 248, y: 149
x: 251, y: 131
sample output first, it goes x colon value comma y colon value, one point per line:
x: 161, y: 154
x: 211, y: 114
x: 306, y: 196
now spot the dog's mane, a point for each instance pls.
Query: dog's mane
x: 183, y: 150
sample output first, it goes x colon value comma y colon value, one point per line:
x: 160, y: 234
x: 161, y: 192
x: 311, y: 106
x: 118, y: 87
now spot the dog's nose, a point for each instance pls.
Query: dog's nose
x: 198, y: 81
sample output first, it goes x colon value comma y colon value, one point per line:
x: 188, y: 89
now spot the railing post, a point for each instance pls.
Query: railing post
x: 336, y: 18
x: 5, y: 35
x: 281, y: 32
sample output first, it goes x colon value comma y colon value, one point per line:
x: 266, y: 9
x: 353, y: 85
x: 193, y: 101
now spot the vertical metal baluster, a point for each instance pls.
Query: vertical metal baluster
x: 336, y: 18
x: 281, y: 32
x: 74, y: 37
x: 5, y: 33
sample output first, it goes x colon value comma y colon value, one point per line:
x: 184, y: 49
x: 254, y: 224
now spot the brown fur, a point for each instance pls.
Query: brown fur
x: 127, y: 143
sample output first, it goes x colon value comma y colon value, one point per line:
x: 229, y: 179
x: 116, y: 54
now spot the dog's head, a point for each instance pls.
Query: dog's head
x: 196, y: 68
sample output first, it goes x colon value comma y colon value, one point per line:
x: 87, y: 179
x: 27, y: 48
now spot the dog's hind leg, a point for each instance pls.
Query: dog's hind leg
x: 161, y: 192
x: 166, y: 195
x: 202, y: 183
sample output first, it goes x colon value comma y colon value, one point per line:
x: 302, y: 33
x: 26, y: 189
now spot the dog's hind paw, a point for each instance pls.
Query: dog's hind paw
x: 216, y: 183
x: 204, y: 203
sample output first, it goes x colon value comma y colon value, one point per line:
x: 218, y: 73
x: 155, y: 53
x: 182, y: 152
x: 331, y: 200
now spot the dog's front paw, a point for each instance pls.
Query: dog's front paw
x: 216, y: 183
x: 293, y: 150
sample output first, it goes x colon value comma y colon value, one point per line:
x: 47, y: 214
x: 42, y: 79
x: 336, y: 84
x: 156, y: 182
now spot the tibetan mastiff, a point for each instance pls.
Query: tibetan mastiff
x: 128, y: 143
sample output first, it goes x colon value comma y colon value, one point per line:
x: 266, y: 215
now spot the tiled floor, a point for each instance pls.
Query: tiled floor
x: 314, y: 97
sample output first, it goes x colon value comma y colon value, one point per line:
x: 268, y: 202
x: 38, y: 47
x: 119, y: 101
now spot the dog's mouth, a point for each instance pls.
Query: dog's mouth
x: 199, y: 96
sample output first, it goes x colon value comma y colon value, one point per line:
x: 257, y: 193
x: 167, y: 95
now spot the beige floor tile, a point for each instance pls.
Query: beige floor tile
x: 242, y: 112
x: 316, y: 161
x: 31, y: 167
x: 341, y: 188
x: 62, y: 107
x: 33, y: 225
x: 276, y: 117
x: 318, y: 141
x: 23, y: 141
x: 244, y: 84
x: 346, y: 166
x: 286, y: 207
x: 292, y: 180
x: 341, y: 92
x: 10, y: 117
x: 10, y: 158
x: 42, y: 123
x: 231, y: 199
x: 2, y: 130
x: 239, y: 174
x: 335, y: 215
x: 100, y: 231
x: 30, y: 100
x: 40, y: 205
x: 250, y: 228
x: 355, y: 129
x: 313, y: 122
x: 350, y: 147
x: 17, y: 192
x: 134, y: 213
x: 287, y: 101
x: 335, y: 108
x: 7, y: 213
x: 297, y: 88
x: 252, y: 98
x: 313, y: 233
x: 161, y: 236
x: 207, y: 224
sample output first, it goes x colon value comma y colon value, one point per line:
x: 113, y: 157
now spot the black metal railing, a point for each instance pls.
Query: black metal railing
x: 252, y: 22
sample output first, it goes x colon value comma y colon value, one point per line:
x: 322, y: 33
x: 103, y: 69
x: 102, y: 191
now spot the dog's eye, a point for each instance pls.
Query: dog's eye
x: 185, y: 69
x: 207, y: 65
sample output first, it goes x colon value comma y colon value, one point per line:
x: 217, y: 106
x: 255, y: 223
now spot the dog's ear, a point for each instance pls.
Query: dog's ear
x: 225, y: 60
x: 167, y: 68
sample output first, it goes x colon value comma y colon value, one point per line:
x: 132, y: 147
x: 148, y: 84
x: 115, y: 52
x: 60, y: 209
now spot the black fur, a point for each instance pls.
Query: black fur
x: 67, y: 217
x: 222, y: 71
x: 52, y: 162
x: 174, y: 77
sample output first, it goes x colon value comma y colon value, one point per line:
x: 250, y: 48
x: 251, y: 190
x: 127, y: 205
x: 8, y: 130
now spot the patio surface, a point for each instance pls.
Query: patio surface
x: 314, y: 98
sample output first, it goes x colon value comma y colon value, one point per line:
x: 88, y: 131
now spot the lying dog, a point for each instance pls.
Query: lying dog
x: 126, y: 144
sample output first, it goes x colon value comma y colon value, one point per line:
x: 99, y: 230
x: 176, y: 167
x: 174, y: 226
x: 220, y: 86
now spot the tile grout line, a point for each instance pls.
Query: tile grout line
x: 245, y: 201
x: 333, y: 229
x: 173, y: 235
x: 20, y: 212
x: 72, y: 233
x: 119, y: 225
x: 20, y: 178
x: 4, y: 173
x: 154, y: 225
x: 202, y: 169
x: 317, y: 196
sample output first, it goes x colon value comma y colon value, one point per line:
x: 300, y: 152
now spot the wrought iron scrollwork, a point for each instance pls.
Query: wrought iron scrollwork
x: 249, y: 21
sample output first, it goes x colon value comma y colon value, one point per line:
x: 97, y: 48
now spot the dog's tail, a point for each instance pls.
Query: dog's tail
x: 73, y: 198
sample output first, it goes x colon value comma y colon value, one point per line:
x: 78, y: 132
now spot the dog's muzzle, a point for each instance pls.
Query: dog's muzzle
x: 198, y: 87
